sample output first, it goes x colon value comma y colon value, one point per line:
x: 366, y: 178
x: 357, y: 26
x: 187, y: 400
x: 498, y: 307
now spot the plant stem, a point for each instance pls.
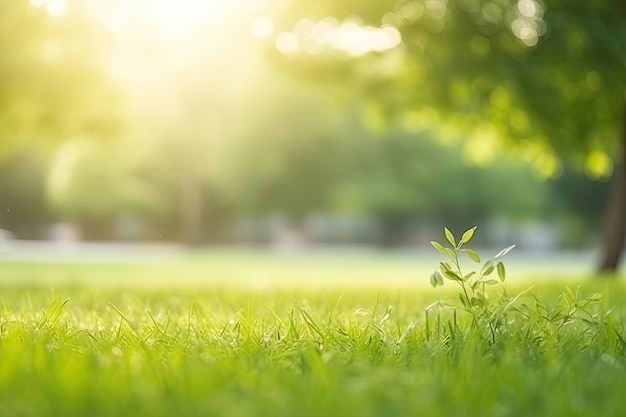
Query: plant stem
x: 457, y: 250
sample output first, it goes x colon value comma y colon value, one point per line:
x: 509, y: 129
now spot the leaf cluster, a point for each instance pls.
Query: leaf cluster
x: 572, y: 319
x: 473, y: 283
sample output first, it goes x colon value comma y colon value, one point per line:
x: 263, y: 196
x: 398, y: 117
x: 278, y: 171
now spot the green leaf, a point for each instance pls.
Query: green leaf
x: 569, y: 295
x: 472, y: 255
x: 504, y: 251
x: 438, y: 246
x: 436, y: 278
x: 439, y: 277
x: 501, y: 271
x: 463, y: 301
x: 454, y: 276
x: 449, y: 236
x: 467, y: 236
x: 491, y: 282
x: 486, y: 266
x: 451, y: 253
x: 477, y: 302
x: 595, y: 297
x: 433, y: 280
x: 468, y: 276
x: 445, y: 266
x: 489, y: 270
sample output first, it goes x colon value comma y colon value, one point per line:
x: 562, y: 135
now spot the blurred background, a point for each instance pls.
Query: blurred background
x: 296, y: 126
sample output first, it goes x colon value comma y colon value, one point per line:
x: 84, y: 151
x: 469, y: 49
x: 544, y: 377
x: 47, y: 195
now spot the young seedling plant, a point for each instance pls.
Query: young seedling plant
x: 473, y: 283
x: 499, y: 315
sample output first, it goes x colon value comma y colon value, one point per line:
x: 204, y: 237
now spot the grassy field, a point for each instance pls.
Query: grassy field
x: 271, y: 337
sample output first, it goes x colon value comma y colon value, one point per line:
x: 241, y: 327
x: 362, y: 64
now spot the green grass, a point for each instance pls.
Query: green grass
x: 84, y: 340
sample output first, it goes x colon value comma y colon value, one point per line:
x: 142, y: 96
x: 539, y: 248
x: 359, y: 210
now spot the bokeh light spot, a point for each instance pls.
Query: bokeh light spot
x: 598, y: 165
x: 527, y: 8
x: 287, y: 43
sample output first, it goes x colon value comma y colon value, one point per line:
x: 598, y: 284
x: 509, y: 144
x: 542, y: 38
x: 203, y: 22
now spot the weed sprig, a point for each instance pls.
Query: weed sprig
x: 496, y: 316
x: 473, y: 284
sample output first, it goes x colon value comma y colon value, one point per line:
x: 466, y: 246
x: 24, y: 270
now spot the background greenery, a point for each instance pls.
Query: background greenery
x: 129, y: 129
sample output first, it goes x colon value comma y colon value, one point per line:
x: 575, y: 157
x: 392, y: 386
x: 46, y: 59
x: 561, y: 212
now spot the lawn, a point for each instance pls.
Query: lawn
x: 126, y: 340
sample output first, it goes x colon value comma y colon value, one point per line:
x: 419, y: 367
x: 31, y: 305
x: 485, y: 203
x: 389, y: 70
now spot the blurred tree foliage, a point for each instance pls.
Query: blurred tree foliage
x: 52, y: 86
x: 468, y: 61
x: 402, y: 177
x: 579, y: 204
x: 542, y: 78
x: 23, y: 206
x: 291, y: 152
x: 297, y: 155
x: 84, y: 187
x: 301, y: 153
x: 194, y: 145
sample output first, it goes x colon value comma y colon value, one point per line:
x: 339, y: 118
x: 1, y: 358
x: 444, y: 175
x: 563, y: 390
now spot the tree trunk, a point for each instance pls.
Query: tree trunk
x: 614, y: 239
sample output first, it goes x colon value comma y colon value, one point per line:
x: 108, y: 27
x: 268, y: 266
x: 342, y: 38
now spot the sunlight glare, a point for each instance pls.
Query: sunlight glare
x: 351, y: 37
x: 54, y: 7
x: 262, y: 27
x: 158, y: 17
x: 175, y: 16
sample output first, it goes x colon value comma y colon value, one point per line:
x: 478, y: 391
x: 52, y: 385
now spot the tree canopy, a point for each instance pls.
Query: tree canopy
x: 543, y: 78
x: 547, y: 77
x: 213, y: 133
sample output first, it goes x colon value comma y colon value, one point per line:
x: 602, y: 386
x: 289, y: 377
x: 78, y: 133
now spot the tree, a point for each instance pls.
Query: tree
x: 544, y: 79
